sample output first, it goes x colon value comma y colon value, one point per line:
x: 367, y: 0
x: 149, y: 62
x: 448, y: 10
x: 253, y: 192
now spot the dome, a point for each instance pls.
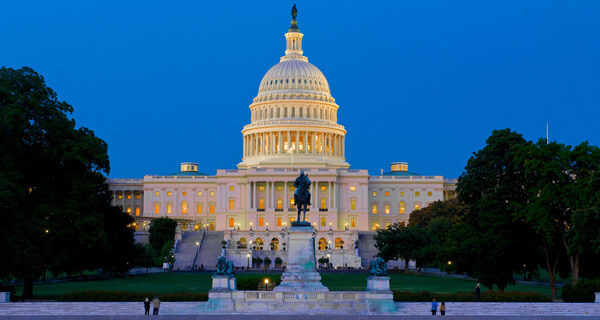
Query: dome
x: 296, y: 76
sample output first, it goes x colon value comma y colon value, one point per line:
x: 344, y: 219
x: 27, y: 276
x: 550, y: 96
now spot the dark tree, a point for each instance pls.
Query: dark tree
x: 162, y: 230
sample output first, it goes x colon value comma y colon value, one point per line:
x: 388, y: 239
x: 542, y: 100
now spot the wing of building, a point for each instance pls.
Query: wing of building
x: 293, y: 126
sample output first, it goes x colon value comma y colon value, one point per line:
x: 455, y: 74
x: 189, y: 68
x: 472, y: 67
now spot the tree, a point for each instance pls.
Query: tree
x: 162, y: 230
x: 492, y: 243
x: 53, y: 192
x: 278, y: 262
x: 267, y: 262
x: 400, y: 242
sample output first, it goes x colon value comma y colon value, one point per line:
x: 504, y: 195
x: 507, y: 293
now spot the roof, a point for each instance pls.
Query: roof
x: 189, y: 173
x: 401, y: 173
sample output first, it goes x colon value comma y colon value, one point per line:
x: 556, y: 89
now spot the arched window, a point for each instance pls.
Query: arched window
x: 402, y: 207
x: 339, y: 243
x: 274, y: 244
x: 322, y: 244
x: 184, y: 207
x: 374, y: 210
x: 242, y: 243
x: 198, y: 208
x: 259, y: 243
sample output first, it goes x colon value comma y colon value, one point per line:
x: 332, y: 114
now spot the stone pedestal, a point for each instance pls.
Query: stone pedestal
x: 378, y: 284
x: 223, y: 283
x: 4, y: 297
x: 597, y: 295
x: 300, y: 273
x: 220, y: 296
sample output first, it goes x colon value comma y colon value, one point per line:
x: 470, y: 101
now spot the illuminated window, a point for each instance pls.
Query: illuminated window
x: 211, y: 193
x: 261, y: 221
x: 352, y: 188
x: 374, y: 193
x: 198, y: 208
x: 211, y: 208
x: 292, y: 202
x: 137, y: 211
x: 211, y: 225
x: 292, y: 219
x: 137, y: 196
x: 184, y: 194
x: 120, y: 195
x: 322, y: 244
x: 353, y: 222
x: 156, y: 208
x: 323, y: 188
x: 129, y: 210
x: 231, y: 222
x: 375, y: 225
x: 199, y: 193
x: 417, y: 206
x: 323, y: 203
x: 387, y: 193
x: 279, y: 223
x: 261, y: 203
x: 156, y: 193
x: 169, y: 193
x: 429, y: 193
x: 169, y: 208
x: 402, y: 207
x: 261, y: 188
x: 231, y: 204
x: 184, y: 207
x: 231, y: 188
x: 417, y: 193
x: 402, y: 194
x: 352, y: 204
x: 279, y: 203
x: 323, y: 221
x: 387, y: 209
x: 129, y: 195
x: 279, y: 188
x: 374, y: 209
x: 339, y: 243
x: 387, y: 225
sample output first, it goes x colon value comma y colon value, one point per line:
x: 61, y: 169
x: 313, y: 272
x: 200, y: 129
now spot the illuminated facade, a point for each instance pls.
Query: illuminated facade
x: 293, y: 126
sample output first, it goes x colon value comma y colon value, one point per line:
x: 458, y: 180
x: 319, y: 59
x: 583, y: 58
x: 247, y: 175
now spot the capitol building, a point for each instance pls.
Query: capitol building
x: 244, y: 212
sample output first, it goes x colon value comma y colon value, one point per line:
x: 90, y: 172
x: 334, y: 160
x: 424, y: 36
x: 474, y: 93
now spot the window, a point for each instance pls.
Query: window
x: 323, y: 221
x: 353, y: 222
x: 375, y: 225
x: 211, y: 225
x: 429, y: 193
x: 129, y: 210
x: 119, y: 195
x: 231, y: 222
x: 261, y: 221
x: 231, y: 204
x: 322, y: 244
x: 292, y: 202
x: 211, y: 193
x: 279, y: 223
x: 199, y: 208
x: 374, y: 193
x: 387, y: 193
x: 169, y: 193
x: 156, y: 208
x: 231, y: 188
x: 279, y: 203
x: 352, y: 188
x: 417, y: 206
x: 279, y: 188
x: 374, y: 209
x: 211, y: 208
x: 137, y: 196
x: 323, y: 188
x: 417, y: 193
x: 261, y: 203
x: 261, y: 188
x: 402, y: 193
x: 387, y: 209
x: 323, y: 203
x: 292, y: 219
x: 137, y: 211
x: 184, y: 207
x: 387, y: 225
x: 199, y: 193
x: 402, y: 207
x: 128, y: 195
x: 169, y: 208
x: 184, y: 194
x: 352, y: 204
x: 339, y: 243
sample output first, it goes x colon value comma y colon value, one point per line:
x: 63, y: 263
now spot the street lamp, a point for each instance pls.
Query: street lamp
x: 248, y: 256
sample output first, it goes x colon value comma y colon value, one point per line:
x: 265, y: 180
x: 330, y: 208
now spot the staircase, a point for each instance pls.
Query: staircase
x: 210, y: 250
x: 187, y: 249
x: 366, y: 247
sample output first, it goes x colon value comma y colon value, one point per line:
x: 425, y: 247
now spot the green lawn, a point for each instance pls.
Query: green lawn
x: 201, y: 282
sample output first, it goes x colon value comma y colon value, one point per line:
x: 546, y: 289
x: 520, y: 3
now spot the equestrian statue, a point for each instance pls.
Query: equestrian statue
x: 302, y: 198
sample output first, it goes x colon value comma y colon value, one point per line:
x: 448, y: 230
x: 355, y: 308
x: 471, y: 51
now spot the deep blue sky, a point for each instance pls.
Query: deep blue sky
x: 418, y: 81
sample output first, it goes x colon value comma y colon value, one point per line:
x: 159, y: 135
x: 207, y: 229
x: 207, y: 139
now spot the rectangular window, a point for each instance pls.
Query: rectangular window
x: 417, y: 206
x: 279, y: 223
x: 323, y: 188
x: 231, y: 188
x: 279, y: 204
x: 169, y: 208
x: 128, y: 196
x: 137, y: 211
x: 199, y: 208
x: 137, y: 196
x: 211, y: 209
x: 211, y: 193
x: 292, y: 219
x: 169, y: 193
x: 387, y: 209
x: 429, y: 193
x: 402, y: 207
x: 156, y: 193
x: 199, y: 193
x: 353, y: 222
x: 261, y: 221
x: 374, y: 193
x: 352, y: 188
x: 387, y: 193
x: 231, y: 222
x: 387, y: 225
x: 129, y: 210
x: 120, y: 195
x: 402, y: 194
x: 231, y: 204
x: 374, y: 209
x: 352, y: 204
x: 417, y: 193
x: 261, y: 188
x: 156, y: 208
x: 323, y: 221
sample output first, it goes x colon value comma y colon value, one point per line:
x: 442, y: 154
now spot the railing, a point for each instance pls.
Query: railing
x: 198, y: 249
x: 323, y: 209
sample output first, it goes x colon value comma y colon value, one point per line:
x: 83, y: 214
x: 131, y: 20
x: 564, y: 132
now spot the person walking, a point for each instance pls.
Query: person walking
x: 147, y: 306
x: 156, y: 306
x: 478, y: 293
x: 434, y: 305
x: 443, y: 309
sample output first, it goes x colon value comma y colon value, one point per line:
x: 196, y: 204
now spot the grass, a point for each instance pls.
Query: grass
x: 201, y: 282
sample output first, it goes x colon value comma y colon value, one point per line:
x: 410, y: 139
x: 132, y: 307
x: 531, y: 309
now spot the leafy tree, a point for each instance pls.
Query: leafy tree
x: 166, y: 254
x: 278, y: 261
x: 267, y: 262
x: 162, y: 230
x: 53, y: 193
x: 492, y: 243
x: 400, y: 242
x: 143, y: 256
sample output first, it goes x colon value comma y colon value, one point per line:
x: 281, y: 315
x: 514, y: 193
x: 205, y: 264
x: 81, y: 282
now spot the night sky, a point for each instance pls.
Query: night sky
x: 419, y: 81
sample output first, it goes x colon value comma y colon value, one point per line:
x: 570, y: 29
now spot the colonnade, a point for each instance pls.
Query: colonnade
x: 298, y: 142
x: 270, y: 196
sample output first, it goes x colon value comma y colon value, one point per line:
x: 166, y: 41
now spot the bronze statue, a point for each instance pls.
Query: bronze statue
x: 294, y: 11
x: 378, y: 267
x: 224, y: 267
x: 294, y: 26
x: 302, y: 197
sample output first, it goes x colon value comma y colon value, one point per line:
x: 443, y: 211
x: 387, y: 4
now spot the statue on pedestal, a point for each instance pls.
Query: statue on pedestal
x: 301, y: 198
x: 378, y: 267
x: 224, y: 267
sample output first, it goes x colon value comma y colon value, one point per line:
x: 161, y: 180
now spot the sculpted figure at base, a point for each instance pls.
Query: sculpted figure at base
x: 224, y: 267
x: 302, y: 197
x: 378, y: 267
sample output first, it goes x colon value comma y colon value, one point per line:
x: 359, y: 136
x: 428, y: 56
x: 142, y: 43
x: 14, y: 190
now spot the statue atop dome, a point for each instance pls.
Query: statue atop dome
x: 294, y: 26
x: 294, y: 12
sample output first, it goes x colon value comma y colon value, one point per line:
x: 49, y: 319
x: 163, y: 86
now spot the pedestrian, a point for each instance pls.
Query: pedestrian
x: 434, y: 305
x: 165, y: 266
x: 478, y: 293
x: 155, y: 305
x: 147, y: 306
x: 443, y: 309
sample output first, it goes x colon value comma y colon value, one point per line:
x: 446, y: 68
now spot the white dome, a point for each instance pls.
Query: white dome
x: 294, y: 76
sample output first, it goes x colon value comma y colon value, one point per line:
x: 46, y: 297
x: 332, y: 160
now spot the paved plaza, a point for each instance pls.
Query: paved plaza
x: 190, y: 310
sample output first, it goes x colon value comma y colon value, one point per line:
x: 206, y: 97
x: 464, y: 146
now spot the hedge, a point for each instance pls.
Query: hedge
x: 128, y: 296
x: 583, y: 291
x: 511, y: 296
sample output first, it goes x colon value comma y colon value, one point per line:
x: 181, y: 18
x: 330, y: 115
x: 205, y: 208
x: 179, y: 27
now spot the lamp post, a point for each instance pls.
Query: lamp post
x: 248, y: 256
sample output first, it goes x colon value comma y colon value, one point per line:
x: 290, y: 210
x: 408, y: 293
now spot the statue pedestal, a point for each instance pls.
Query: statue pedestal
x: 300, y: 273
x: 378, y: 284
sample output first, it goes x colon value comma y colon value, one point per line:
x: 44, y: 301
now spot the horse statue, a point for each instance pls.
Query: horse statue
x: 302, y: 197
x: 378, y: 267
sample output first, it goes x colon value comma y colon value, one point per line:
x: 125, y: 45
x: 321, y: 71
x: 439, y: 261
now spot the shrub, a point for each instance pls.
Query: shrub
x: 583, y: 291
x: 511, y: 296
x: 128, y: 296
x: 253, y: 282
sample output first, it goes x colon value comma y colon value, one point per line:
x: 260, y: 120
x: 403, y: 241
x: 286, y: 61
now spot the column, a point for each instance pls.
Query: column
x: 329, y: 184
x: 280, y: 142
x: 249, y: 195
x: 343, y: 147
x: 312, y: 143
x: 297, y: 142
x: 273, y: 195
x: 253, y: 195
x: 285, y: 198
x: 305, y: 141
